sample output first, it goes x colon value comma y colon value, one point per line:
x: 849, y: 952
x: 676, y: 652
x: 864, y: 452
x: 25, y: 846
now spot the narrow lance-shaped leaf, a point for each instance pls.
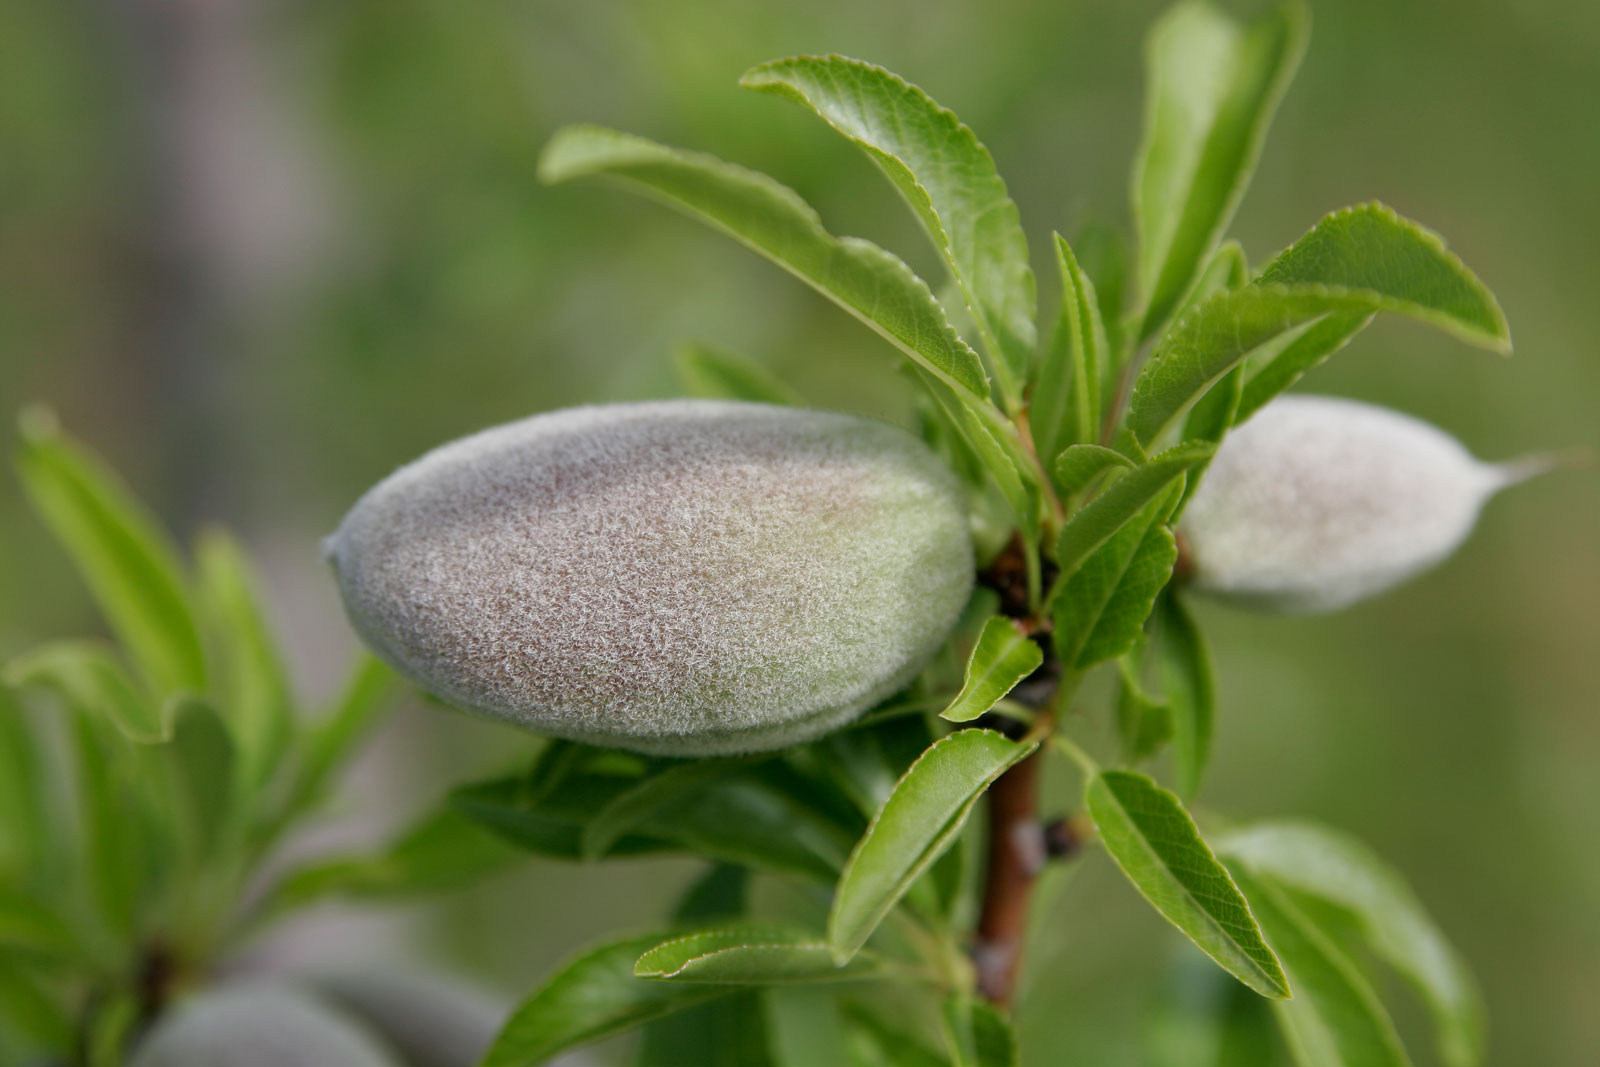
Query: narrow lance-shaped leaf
x: 1212, y: 89
x: 1335, y: 867
x: 1281, y: 369
x: 592, y: 996
x: 1341, y: 271
x: 708, y: 371
x: 1064, y: 407
x: 203, y: 757
x: 1144, y: 723
x: 1003, y: 656
x: 916, y: 824
x: 1186, y: 678
x: 1098, y: 612
x: 1335, y: 1018
x: 254, y: 694
x: 1103, y: 516
x: 29, y: 849
x: 948, y: 178
x: 122, y: 553
x: 769, y: 218
x: 746, y: 954
x: 1154, y: 840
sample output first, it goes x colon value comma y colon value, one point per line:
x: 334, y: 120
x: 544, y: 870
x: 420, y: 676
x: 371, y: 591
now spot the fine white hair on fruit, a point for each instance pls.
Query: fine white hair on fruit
x: 1317, y: 502
x: 258, y: 1024
x: 679, y: 577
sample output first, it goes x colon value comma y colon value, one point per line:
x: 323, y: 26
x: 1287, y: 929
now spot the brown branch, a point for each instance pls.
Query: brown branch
x: 1016, y: 854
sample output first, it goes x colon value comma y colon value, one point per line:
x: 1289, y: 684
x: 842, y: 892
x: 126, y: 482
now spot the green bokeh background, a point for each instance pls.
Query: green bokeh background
x: 416, y: 283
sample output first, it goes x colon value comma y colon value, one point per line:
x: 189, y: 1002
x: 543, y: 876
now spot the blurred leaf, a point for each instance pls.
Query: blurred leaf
x: 1003, y: 656
x: 752, y: 955
x: 1212, y: 87
x: 28, y: 848
x: 113, y: 1022
x: 1186, y: 678
x: 1337, y: 868
x: 1206, y: 1019
x: 1403, y: 265
x: 916, y: 824
x: 708, y: 371
x: 31, y: 927
x: 1153, y: 839
x: 866, y: 761
x: 883, y: 1043
x: 627, y: 810
x: 115, y: 862
x: 331, y: 741
x: 443, y: 851
x: 771, y: 219
x: 553, y: 829
x: 127, y: 561
x: 591, y: 996
x: 1102, y: 251
x: 253, y: 695
x: 730, y: 1031
x: 89, y: 676
x: 978, y: 1034
x: 203, y: 755
x: 1335, y: 1019
x: 947, y: 177
x: 1144, y: 723
x: 27, y: 1008
x: 1064, y: 406
x: 1339, y: 270
x: 1120, y: 503
x: 720, y: 893
x: 1080, y: 465
x: 1006, y: 467
x: 807, y: 1028
x: 1099, y: 611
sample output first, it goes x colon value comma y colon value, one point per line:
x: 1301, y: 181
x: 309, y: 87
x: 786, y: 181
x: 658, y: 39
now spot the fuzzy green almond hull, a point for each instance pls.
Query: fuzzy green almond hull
x: 684, y: 578
x: 1317, y: 502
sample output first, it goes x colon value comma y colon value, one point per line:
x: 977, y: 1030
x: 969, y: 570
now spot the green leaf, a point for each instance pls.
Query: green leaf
x: 28, y: 849
x: 90, y: 676
x: 1005, y: 466
x: 1335, y: 1018
x: 916, y: 824
x: 731, y: 1031
x: 752, y: 955
x: 1281, y: 369
x: 947, y: 177
x: 978, y: 1034
x: 1190, y: 689
x: 866, y: 761
x: 1003, y: 656
x: 115, y: 862
x: 1335, y: 867
x: 203, y: 755
x: 1212, y: 87
x: 1154, y: 840
x: 332, y: 740
x: 124, y: 557
x: 1098, y: 612
x: 771, y: 219
x: 627, y: 810
x: 1351, y: 265
x: 32, y: 1011
x: 31, y: 927
x: 592, y: 996
x: 1064, y: 406
x: 253, y: 694
x: 1404, y: 265
x: 443, y: 851
x: 1080, y: 465
x: 1204, y: 1018
x: 709, y: 371
x: 1144, y: 723
x: 878, y: 1043
x: 1096, y: 522
x: 807, y: 1027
